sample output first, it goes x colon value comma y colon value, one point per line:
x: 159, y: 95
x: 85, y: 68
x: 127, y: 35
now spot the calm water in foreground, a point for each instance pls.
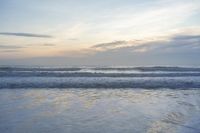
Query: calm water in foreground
x: 99, y: 111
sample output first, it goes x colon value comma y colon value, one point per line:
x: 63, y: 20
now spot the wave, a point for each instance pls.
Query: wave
x: 100, y: 82
x: 38, y: 69
x: 156, y: 68
x: 141, y: 69
x: 93, y: 74
x: 100, y: 77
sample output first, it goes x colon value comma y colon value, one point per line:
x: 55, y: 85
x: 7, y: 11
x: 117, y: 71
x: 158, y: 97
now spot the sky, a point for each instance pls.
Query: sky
x: 100, y: 33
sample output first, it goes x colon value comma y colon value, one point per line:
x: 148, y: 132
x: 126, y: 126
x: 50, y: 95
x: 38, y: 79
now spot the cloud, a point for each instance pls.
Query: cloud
x: 10, y: 51
x: 186, y: 37
x: 180, y: 49
x: 113, y: 44
x: 116, y: 44
x: 180, y: 43
x: 25, y: 35
x: 10, y: 47
x: 172, y: 51
x: 73, y: 39
x: 175, y: 43
x: 48, y: 44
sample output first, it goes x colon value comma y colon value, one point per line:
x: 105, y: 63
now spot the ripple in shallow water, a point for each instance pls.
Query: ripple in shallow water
x: 94, y: 110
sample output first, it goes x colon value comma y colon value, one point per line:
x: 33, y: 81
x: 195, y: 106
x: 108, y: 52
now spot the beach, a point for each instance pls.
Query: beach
x: 97, y: 111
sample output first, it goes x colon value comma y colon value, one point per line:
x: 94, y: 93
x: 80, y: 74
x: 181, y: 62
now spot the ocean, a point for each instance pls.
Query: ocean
x: 99, y: 99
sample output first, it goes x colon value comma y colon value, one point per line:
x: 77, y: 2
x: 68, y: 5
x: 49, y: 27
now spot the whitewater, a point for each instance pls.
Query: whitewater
x: 100, y: 77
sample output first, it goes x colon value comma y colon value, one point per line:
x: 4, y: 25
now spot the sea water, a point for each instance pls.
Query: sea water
x: 99, y: 99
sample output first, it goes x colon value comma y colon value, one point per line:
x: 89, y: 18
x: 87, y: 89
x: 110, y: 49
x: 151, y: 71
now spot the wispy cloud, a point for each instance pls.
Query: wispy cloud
x: 172, y: 51
x: 186, y: 37
x: 117, y: 44
x: 73, y: 39
x: 176, y: 43
x: 178, y: 49
x: 25, y: 34
x: 48, y: 44
x: 109, y: 44
x: 10, y: 51
x: 10, y: 47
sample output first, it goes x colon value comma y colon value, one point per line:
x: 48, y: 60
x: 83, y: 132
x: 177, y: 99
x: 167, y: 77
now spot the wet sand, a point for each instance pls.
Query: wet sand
x: 99, y: 110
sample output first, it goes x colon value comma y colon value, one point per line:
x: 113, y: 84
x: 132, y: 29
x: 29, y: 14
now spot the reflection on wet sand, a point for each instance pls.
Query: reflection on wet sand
x: 97, y: 110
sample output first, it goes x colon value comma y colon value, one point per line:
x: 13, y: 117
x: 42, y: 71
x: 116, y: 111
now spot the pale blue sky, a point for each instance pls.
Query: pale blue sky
x: 36, y: 31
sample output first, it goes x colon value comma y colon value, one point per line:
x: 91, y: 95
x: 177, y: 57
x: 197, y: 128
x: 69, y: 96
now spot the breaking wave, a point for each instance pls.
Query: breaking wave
x: 100, y: 77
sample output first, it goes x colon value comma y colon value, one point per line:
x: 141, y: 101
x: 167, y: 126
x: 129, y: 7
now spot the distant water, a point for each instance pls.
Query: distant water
x: 100, y: 77
x: 99, y: 100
